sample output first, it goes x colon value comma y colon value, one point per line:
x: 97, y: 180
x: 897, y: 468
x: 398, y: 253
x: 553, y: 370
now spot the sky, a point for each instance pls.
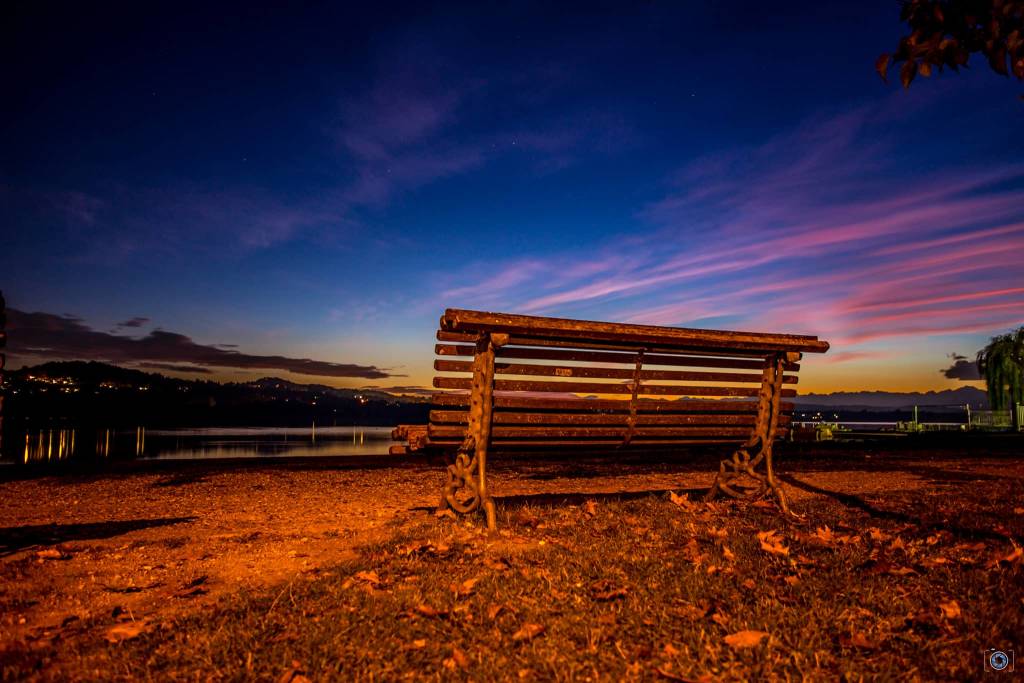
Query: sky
x: 302, y: 191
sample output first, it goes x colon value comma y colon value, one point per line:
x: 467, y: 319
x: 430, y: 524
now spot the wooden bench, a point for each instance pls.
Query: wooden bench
x: 522, y: 383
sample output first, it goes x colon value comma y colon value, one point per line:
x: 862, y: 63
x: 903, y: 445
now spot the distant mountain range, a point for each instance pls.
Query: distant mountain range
x: 278, y: 384
x: 80, y: 392
x: 89, y: 375
x: 888, y: 400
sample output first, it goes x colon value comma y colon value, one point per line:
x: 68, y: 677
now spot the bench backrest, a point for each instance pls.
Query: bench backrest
x: 561, y: 382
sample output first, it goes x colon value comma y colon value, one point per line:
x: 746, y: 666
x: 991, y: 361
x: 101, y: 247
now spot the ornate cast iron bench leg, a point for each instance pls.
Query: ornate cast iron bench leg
x: 465, y: 489
x: 745, y: 460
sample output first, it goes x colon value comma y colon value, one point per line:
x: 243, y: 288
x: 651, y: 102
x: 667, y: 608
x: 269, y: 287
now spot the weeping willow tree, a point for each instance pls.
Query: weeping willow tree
x: 1001, y: 363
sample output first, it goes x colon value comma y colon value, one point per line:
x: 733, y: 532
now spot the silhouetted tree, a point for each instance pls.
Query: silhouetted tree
x: 947, y: 32
x: 1001, y: 363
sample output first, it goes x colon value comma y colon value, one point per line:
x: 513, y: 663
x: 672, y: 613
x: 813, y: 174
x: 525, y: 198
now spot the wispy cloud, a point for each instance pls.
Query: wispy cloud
x: 407, y: 130
x: 174, y: 367
x: 413, y: 124
x: 49, y: 336
x: 811, y: 231
x: 397, y: 137
x: 135, y: 322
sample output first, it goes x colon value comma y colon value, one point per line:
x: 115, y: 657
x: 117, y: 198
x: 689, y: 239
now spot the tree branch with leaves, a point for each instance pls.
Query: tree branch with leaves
x: 945, y: 33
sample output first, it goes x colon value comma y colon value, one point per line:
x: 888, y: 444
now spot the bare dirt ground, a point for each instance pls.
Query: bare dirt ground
x: 156, y: 543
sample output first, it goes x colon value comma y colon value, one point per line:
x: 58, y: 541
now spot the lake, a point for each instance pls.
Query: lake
x: 82, y: 445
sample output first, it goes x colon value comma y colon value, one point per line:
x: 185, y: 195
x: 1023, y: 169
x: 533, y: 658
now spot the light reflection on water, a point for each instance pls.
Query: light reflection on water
x: 57, y: 445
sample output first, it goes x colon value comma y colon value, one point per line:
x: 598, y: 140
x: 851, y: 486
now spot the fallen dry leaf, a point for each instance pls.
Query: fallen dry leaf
x: 874, y: 566
x: 605, y: 590
x: 460, y: 658
x: 498, y: 564
x: 901, y: 571
x: 858, y: 640
x: 447, y: 512
x: 428, y: 611
x: 950, y: 609
x: 590, y: 508
x: 728, y: 554
x: 792, y: 579
x: 126, y: 631
x: 682, y: 501
x: 416, y: 547
x: 51, y: 554
x: 744, y: 639
x: 295, y: 674
x: 369, y: 577
x: 825, y: 536
x: 666, y: 672
x: 1014, y: 556
x: 528, y: 631
x: 691, y: 552
x: 192, y: 588
x: 969, y: 547
x: 692, y: 612
x: 771, y: 542
x: 465, y: 588
x: 934, y: 561
x: 419, y: 643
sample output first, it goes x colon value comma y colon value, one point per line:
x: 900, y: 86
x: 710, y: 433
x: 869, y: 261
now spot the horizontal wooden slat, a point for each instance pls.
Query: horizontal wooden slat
x: 592, y: 432
x: 583, y: 356
x: 461, y: 320
x: 520, y: 340
x: 547, y: 444
x: 505, y: 442
x: 607, y: 373
x: 509, y: 418
x: 602, y: 388
x: 456, y: 337
x: 644, y: 405
x: 498, y: 443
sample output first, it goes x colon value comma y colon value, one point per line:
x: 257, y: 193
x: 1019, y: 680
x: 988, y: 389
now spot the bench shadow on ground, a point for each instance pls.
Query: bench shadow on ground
x: 17, y: 538
x: 849, y: 500
x: 858, y: 503
x: 574, y: 498
x: 578, y: 498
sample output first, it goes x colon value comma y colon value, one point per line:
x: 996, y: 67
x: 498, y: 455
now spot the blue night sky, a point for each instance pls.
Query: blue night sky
x: 320, y: 183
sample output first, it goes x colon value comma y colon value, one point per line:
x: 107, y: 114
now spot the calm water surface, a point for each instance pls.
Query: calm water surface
x: 62, y: 445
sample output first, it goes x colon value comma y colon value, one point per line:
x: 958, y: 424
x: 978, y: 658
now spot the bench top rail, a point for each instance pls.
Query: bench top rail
x: 538, y: 329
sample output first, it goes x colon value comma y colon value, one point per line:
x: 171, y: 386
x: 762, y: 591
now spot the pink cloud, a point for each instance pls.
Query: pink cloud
x: 808, y: 233
x: 837, y: 357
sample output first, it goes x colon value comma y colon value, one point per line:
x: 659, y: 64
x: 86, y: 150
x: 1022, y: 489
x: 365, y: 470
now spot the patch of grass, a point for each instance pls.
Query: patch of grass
x: 612, y: 590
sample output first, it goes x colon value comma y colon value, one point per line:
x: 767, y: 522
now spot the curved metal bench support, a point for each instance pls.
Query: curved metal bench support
x: 465, y: 489
x: 736, y: 474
